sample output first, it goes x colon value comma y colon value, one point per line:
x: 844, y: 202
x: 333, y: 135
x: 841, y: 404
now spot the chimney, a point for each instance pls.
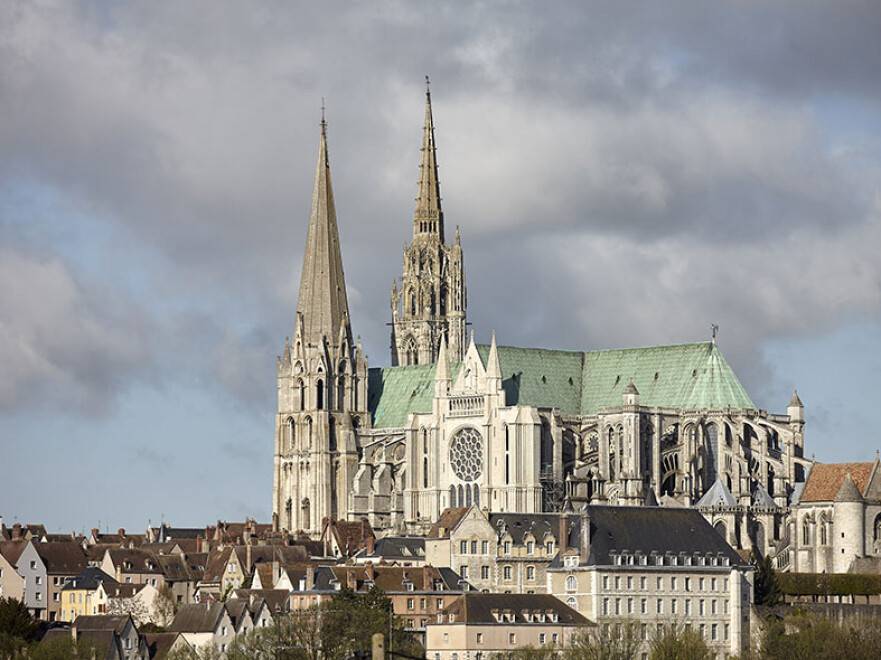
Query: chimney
x: 276, y: 573
x: 584, y: 553
x: 350, y: 579
x: 310, y: 577
x: 95, y: 532
x: 563, y: 538
x: 371, y: 544
x: 16, y: 532
x: 371, y: 574
x: 121, y: 532
x: 426, y: 578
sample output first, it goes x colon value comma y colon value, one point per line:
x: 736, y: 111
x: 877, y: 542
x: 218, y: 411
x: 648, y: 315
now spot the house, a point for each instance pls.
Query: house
x: 481, y: 625
x: 204, y: 624
x: 265, y: 604
x: 653, y: 566
x: 232, y: 567
x: 44, y: 568
x: 836, y: 519
x: 133, y: 566
x: 78, y: 593
x: 121, y: 539
x: 239, y: 612
x: 122, y: 627
x: 344, y: 538
x: 417, y: 594
x: 398, y: 550
x: 498, y: 552
x: 11, y: 583
x: 161, y: 645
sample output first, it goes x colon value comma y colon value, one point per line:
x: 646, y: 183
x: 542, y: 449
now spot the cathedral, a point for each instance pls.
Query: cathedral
x: 454, y: 422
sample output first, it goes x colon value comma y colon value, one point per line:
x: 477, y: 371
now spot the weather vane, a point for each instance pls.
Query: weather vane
x: 714, y: 328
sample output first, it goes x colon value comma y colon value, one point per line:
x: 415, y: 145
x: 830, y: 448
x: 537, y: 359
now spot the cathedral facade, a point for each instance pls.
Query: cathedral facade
x: 454, y: 422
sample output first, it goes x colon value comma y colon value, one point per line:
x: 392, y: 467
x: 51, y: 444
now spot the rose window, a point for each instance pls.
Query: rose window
x: 466, y: 454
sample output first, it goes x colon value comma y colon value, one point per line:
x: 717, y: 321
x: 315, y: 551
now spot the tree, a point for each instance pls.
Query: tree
x: 766, y: 584
x: 677, y: 643
x: 804, y: 637
x: 15, y: 620
x: 529, y: 653
x: 61, y: 648
x: 610, y: 642
x: 164, y: 607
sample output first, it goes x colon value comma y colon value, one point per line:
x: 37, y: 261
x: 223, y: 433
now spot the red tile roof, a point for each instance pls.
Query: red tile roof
x: 824, y: 480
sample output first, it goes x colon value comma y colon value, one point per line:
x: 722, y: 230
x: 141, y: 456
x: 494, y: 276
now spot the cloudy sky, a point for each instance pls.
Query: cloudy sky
x: 623, y: 175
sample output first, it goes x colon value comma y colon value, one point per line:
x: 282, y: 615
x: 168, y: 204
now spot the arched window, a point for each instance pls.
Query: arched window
x: 571, y: 602
x: 805, y: 532
x: 292, y: 434
x: 305, y: 514
x: 308, y: 433
x: 613, y: 456
x: 341, y: 387
x: 412, y: 297
x: 301, y: 395
x: 571, y: 583
x: 476, y: 495
x: 823, y: 533
x: 411, y: 352
x: 720, y: 528
x: 453, y: 500
x: 319, y: 395
x: 424, y: 458
x: 877, y: 527
x: 331, y: 440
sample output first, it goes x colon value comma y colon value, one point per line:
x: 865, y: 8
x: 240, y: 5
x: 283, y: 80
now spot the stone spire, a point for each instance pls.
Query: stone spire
x: 442, y: 372
x: 428, y: 218
x: 322, y: 304
x: 493, y: 366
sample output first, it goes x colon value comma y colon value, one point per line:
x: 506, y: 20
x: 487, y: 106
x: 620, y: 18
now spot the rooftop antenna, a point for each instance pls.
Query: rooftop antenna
x: 714, y: 328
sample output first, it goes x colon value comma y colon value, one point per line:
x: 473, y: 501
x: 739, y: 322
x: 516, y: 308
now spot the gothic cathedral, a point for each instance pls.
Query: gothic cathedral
x: 455, y: 423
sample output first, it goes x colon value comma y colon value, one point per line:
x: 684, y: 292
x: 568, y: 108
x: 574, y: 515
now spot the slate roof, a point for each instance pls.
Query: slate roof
x: 105, y: 643
x: 159, y: 644
x: 112, y: 622
x: 135, y: 561
x: 66, y: 558
x: 276, y: 599
x: 477, y: 608
x: 686, y: 376
x: 825, y: 479
x: 399, y: 547
x: 717, y: 495
x: 88, y: 579
x: 390, y: 579
x: 12, y: 550
x: 848, y: 491
x: 517, y: 525
x: 197, y: 617
x: 448, y: 520
x: 614, y: 529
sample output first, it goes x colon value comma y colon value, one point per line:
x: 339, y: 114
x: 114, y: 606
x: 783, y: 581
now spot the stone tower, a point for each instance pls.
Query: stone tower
x: 430, y: 303
x: 322, y: 380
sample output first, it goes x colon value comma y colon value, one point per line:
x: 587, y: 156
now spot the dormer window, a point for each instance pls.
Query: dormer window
x: 408, y: 586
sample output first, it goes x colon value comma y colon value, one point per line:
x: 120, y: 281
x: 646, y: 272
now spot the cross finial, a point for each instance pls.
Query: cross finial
x: 714, y: 328
x: 323, y: 122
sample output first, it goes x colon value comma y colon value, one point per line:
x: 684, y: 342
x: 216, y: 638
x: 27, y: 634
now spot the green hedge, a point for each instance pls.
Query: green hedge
x: 837, y: 584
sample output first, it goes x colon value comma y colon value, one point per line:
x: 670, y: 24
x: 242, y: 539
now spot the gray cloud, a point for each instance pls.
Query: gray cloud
x: 621, y: 176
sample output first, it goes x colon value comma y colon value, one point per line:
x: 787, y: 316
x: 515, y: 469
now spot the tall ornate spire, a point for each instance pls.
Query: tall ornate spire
x: 322, y: 304
x: 428, y: 217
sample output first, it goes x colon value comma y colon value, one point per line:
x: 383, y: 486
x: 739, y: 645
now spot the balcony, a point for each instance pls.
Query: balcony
x: 466, y: 406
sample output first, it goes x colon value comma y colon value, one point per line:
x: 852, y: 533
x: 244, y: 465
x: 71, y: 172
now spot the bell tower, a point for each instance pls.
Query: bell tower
x: 322, y: 380
x: 430, y: 304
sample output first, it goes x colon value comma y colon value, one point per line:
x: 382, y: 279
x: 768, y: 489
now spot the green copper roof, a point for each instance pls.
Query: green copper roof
x: 686, y: 376
x: 540, y: 377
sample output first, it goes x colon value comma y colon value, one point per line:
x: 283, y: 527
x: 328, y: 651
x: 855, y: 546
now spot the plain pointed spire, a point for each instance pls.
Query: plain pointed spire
x: 493, y: 366
x: 322, y: 304
x: 428, y: 218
